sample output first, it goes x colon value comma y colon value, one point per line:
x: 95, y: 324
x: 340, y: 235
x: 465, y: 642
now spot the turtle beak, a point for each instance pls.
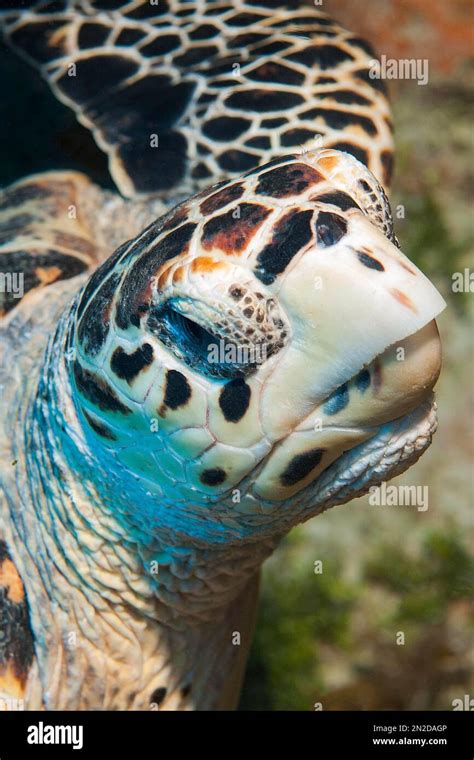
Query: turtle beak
x: 347, y: 304
x: 364, y: 352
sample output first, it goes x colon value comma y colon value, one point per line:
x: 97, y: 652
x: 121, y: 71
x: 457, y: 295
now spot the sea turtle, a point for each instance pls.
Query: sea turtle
x: 231, y: 370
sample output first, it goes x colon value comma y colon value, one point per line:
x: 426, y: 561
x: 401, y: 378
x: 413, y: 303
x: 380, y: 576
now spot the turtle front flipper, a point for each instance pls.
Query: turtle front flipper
x: 44, y: 233
x: 16, y: 640
x: 180, y: 96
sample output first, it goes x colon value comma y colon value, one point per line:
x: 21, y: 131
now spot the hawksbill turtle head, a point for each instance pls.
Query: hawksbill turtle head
x: 264, y: 345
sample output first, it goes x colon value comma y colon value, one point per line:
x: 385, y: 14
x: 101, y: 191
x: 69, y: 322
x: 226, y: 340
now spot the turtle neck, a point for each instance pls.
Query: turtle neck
x: 119, y: 610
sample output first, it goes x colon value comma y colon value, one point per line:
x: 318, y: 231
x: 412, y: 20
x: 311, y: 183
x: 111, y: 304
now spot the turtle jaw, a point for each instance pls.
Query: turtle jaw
x: 393, y: 386
x: 392, y: 450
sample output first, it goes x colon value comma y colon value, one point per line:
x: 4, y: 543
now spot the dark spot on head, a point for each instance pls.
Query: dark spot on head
x: 286, y: 180
x: 370, y: 262
x: 98, y: 391
x: 178, y: 390
x: 232, y: 231
x: 94, y: 325
x: 362, y: 380
x: 177, y: 216
x: 213, y: 477
x: 222, y: 198
x: 158, y: 696
x: 337, y: 401
x: 337, y: 198
x: 290, y: 236
x: 186, y: 690
x: 136, y: 287
x: 128, y: 366
x: 98, y: 427
x: 234, y: 399
x: 300, y: 467
x: 330, y: 228
x: 99, y: 277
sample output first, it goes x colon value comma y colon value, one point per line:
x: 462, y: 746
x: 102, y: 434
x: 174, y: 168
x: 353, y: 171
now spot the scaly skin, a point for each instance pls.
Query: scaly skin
x: 145, y: 483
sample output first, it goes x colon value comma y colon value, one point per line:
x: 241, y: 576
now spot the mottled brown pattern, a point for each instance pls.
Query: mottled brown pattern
x: 222, y: 198
x: 231, y: 235
x: 180, y: 214
x: 291, y: 179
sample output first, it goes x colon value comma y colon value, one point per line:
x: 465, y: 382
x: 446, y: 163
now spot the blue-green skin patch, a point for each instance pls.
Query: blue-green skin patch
x: 337, y: 401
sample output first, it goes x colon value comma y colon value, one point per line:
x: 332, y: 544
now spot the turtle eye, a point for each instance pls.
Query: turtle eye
x: 188, y: 332
x: 207, y: 352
